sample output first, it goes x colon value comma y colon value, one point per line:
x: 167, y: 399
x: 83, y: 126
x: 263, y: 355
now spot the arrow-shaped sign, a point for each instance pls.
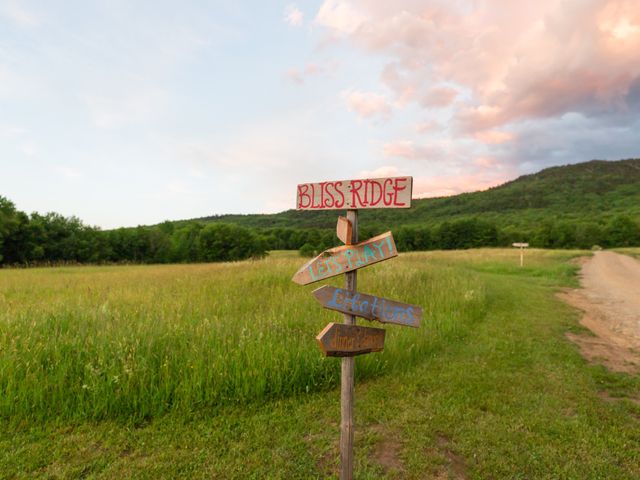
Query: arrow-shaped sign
x: 343, y: 230
x: 346, y: 258
x: 368, y: 306
x: 341, y: 340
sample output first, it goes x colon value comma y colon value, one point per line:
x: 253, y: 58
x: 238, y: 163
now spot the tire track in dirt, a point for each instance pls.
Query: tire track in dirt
x: 610, y: 300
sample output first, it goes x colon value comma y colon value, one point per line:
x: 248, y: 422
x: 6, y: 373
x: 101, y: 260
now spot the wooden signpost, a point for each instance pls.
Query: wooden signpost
x: 522, y: 246
x: 348, y: 340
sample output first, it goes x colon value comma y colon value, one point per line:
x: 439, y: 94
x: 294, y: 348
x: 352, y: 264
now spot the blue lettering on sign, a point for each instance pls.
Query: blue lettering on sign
x: 334, y: 300
x: 368, y: 253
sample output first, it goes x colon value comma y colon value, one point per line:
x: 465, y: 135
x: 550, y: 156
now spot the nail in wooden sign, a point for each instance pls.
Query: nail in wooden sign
x: 368, y: 306
x: 392, y: 192
x: 341, y: 340
x: 344, y: 230
x: 339, y: 260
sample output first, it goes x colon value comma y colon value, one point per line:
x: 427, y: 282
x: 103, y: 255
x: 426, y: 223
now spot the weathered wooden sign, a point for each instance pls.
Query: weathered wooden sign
x: 521, y: 245
x: 342, y: 340
x: 339, y: 260
x: 368, y: 306
x: 347, y: 340
x: 344, y: 230
x: 392, y: 192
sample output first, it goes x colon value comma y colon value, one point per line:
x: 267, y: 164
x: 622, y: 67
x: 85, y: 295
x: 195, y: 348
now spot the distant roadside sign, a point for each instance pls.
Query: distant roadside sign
x: 522, y: 246
x: 393, y: 192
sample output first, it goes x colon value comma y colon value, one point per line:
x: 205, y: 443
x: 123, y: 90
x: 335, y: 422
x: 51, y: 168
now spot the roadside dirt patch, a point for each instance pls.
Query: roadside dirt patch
x: 387, y: 451
x: 610, y: 300
x: 457, y: 465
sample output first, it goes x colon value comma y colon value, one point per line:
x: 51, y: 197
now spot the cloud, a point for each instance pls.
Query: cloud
x: 429, y: 126
x: 299, y: 76
x: 341, y: 17
x: 445, y: 185
x: 19, y: 14
x: 493, y: 137
x: 293, y: 16
x: 439, y: 97
x: 507, y: 86
x: 409, y: 150
x: 367, y: 104
x: 381, y: 172
x: 516, y: 63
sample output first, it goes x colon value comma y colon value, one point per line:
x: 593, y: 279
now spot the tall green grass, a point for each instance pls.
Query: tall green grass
x: 134, y: 342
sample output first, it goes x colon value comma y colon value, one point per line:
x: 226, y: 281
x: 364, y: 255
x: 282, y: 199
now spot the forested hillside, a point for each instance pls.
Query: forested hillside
x: 597, y: 188
x: 581, y: 205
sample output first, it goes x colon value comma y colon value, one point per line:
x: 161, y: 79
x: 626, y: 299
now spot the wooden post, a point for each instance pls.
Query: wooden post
x: 348, y: 371
x: 521, y: 256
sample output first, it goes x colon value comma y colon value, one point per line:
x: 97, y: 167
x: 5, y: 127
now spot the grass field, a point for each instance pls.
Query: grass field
x: 201, y: 371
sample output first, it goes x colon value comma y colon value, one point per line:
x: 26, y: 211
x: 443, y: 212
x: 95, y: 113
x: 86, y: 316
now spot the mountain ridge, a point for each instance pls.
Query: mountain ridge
x: 601, y: 187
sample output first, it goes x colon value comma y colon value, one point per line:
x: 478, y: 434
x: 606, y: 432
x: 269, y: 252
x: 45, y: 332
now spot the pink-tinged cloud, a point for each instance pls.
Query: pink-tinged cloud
x: 409, y: 150
x: 493, y: 137
x: 295, y: 75
x: 367, y: 104
x: 514, y: 60
x: 439, y: 97
x: 299, y: 76
x: 430, y: 126
x: 446, y: 185
x: 293, y: 16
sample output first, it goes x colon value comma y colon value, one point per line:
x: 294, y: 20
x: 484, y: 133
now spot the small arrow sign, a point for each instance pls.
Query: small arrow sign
x: 339, y: 260
x: 341, y: 340
x: 344, y: 230
x: 521, y: 245
x: 368, y: 306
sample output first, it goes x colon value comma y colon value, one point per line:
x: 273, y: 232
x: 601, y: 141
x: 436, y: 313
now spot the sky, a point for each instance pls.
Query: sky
x: 126, y: 112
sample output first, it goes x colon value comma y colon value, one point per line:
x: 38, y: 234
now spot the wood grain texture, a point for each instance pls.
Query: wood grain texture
x: 346, y: 258
x: 394, y: 192
x: 347, y: 377
x: 344, y: 230
x: 368, y: 306
x: 341, y: 340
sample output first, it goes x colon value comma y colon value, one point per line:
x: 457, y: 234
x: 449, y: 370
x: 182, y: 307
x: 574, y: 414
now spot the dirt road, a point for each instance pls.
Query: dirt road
x: 610, y: 298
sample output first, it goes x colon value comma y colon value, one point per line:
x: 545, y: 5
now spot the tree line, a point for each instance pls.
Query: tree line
x: 52, y: 238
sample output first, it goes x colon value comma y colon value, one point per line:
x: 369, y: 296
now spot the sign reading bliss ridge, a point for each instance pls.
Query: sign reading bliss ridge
x: 355, y: 194
x: 348, y: 339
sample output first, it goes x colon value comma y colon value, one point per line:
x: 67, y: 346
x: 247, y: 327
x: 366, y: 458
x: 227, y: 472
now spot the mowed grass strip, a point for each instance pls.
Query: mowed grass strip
x: 502, y: 395
x: 135, y: 342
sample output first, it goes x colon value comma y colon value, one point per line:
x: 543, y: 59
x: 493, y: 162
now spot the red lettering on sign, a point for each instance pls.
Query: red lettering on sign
x: 304, y: 199
x: 397, y: 188
x: 338, y: 186
x: 363, y: 193
x: 355, y: 192
x: 376, y: 200
x: 388, y: 195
